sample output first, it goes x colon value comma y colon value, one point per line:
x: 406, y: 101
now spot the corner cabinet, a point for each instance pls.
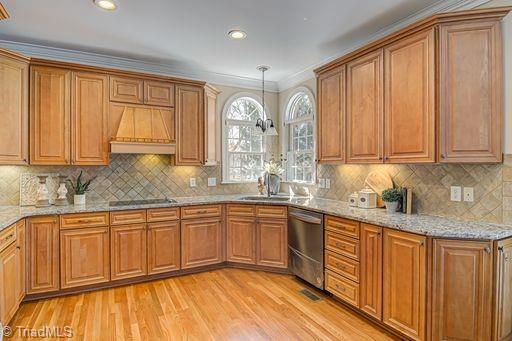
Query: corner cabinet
x: 189, y: 125
x: 201, y: 242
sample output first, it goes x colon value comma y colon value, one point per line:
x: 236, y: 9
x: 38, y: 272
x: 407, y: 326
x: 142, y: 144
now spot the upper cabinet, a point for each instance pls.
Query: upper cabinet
x: 430, y: 92
x: 159, y: 93
x: 211, y: 146
x: 139, y: 91
x: 14, y: 109
x: 471, y: 92
x: 364, y: 108
x: 190, y: 125
x: 331, y: 121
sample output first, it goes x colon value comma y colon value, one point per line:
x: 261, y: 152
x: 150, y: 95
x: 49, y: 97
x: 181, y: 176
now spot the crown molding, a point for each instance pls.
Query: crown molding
x: 101, y: 60
x: 438, y: 7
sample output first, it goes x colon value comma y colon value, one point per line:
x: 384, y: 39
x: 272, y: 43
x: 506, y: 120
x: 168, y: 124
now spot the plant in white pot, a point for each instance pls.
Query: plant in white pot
x: 392, y: 198
x: 80, y: 188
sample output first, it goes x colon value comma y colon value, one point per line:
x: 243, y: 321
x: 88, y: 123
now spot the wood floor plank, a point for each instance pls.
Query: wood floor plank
x: 226, y: 304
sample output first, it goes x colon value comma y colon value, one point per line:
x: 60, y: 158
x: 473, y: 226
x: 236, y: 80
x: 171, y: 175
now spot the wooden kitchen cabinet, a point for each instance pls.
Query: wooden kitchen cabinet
x: 409, y: 111
x: 404, y: 276
x: 43, y: 254
x: 50, y: 113
x: 9, y: 268
x: 14, y: 109
x: 21, y: 251
x: 461, y: 290
x: 89, y: 119
x: 128, y: 251
x: 331, y: 118
x: 370, y: 292
x: 201, y: 242
x: 163, y: 247
x: 189, y: 125
x: 126, y: 90
x: 211, y: 133
x: 159, y: 93
x: 503, y: 291
x: 272, y: 242
x: 241, y: 239
x: 471, y: 71
x: 84, y: 256
x: 365, y: 105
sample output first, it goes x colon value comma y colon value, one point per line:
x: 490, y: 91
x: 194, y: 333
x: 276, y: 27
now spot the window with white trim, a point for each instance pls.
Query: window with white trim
x: 244, y: 148
x: 300, y: 137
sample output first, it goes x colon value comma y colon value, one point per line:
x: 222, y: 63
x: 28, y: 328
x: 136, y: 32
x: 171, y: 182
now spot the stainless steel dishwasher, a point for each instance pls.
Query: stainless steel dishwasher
x: 306, y: 245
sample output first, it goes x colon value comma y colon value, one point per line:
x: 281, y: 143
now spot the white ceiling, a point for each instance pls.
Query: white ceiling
x: 289, y: 35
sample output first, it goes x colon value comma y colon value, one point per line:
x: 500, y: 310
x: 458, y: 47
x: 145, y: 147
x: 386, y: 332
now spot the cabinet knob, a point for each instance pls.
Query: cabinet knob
x: 487, y: 249
x: 422, y: 243
x: 443, y: 156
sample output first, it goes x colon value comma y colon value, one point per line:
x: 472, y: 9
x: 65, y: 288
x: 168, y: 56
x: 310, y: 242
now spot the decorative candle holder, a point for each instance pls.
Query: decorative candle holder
x: 62, y: 199
x: 43, y: 196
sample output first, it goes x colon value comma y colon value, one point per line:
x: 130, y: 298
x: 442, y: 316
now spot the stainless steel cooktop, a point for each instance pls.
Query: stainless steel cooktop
x: 141, y: 202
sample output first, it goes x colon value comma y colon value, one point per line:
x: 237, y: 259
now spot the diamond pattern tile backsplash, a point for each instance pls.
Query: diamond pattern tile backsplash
x: 150, y: 176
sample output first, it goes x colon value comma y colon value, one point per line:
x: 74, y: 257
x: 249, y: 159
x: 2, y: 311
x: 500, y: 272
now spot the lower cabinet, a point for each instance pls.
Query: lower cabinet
x: 503, y: 279
x: 272, y: 242
x: 370, y: 293
x: 405, y: 283
x: 128, y: 251
x: 21, y: 250
x: 201, y: 242
x: 163, y: 247
x: 84, y: 256
x: 241, y: 240
x: 43, y: 254
x: 9, y: 267
x: 462, y: 290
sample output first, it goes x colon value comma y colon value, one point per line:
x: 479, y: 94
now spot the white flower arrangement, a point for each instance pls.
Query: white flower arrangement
x: 273, y: 167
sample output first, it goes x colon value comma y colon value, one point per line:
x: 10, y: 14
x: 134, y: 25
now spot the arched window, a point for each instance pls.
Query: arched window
x: 299, y: 137
x: 243, y: 149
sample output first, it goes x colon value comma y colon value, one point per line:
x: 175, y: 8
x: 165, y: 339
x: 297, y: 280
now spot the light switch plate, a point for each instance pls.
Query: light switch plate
x: 469, y: 194
x: 327, y: 183
x: 455, y: 193
x: 212, y: 182
x: 193, y: 182
x: 321, y: 183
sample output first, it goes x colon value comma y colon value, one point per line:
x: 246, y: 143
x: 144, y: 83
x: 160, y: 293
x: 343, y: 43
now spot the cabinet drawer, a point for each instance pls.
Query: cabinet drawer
x: 346, y: 227
x: 127, y: 217
x: 127, y: 90
x: 7, y: 237
x: 201, y: 211
x: 342, y: 288
x: 163, y: 214
x: 344, y: 266
x: 242, y: 210
x: 345, y: 246
x: 69, y: 221
x: 271, y: 211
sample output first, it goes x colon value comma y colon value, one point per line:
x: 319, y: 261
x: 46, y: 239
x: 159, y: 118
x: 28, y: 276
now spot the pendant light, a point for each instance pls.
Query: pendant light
x: 264, y: 127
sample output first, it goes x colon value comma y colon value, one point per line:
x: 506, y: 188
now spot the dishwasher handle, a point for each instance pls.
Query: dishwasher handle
x: 306, y: 218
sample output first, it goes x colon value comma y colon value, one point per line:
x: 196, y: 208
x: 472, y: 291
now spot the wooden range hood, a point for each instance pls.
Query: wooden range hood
x: 143, y: 130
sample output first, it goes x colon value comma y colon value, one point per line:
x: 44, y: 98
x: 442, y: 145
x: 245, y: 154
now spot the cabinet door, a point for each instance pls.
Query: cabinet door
x: 159, y: 93
x: 241, y: 240
x: 201, y: 242
x: 8, y: 284
x: 503, y: 313
x: 43, y: 255
x: 462, y: 290
x: 21, y: 252
x: 331, y: 116
x: 89, y: 119
x: 370, y: 293
x: 190, y: 125
x: 365, y: 108
x: 128, y: 255
x: 13, y: 111
x: 272, y: 243
x: 409, y: 114
x: 84, y: 256
x: 404, y: 294
x: 126, y: 90
x: 49, y: 116
x: 471, y: 92
x: 163, y: 247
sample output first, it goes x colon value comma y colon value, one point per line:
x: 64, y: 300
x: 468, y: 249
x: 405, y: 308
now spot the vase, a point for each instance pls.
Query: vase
x: 275, y: 183
x: 391, y: 207
x: 79, y: 199
x: 62, y: 192
x: 43, y: 196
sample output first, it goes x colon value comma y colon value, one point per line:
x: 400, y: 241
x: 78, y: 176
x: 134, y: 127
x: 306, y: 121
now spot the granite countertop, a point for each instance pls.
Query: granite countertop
x: 421, y: 224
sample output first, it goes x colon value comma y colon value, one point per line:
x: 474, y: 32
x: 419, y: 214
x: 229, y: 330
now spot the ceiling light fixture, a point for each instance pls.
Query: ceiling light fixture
x: 108, y: 5
x: 264, y: 127
x: 237, y: 34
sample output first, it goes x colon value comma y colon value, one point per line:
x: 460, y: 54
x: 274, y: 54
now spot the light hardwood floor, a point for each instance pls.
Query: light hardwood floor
x: 227, y: 304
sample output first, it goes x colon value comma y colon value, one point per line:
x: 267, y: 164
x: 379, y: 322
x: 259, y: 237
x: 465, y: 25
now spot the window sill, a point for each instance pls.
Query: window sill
x: 238, y: 182
x: 299, y: 183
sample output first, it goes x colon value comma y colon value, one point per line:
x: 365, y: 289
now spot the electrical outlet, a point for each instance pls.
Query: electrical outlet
x: 327, y: 183
x: 212, y: 182
x: 455, y: 193
x: 468, y: 194
x: 321, y: 183
x: 193, y: 182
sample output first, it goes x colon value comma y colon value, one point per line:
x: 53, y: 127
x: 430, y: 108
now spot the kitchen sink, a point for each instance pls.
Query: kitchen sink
x: 265, y: 198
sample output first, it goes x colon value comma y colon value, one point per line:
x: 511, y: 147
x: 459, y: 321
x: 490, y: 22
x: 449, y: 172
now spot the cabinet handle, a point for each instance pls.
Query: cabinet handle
x: 339, y: 287
x: 380, y: 157
x: 386, y: 158
x: 9, y: 237
x: 443, y: 156
x: 341, y: 266
x: 18, y: 247
x: 487, y: 249
x: 341, y: 246
x: 422, y: 243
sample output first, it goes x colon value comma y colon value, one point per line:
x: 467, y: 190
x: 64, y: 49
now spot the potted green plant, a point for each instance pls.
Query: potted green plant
x: 273, y: 171
x: 80, y: 188
x: 392, y: 198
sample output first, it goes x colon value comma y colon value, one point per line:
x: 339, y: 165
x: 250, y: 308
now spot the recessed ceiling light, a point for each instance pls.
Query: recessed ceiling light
x: 108, y: 5
x: 237, y: 34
